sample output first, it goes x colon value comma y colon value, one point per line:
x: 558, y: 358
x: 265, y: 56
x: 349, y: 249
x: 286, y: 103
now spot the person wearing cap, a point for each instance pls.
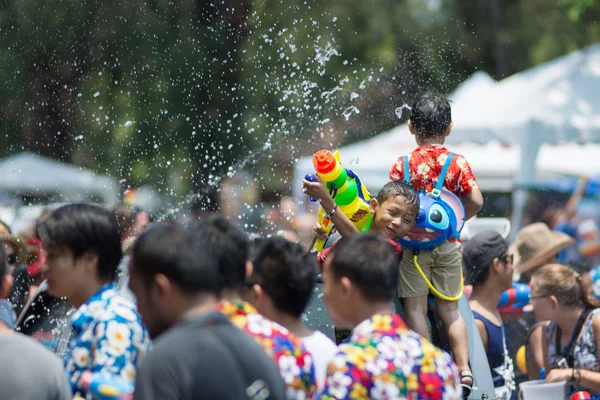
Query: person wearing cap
x: 489, y: 269
x: 536, y: 245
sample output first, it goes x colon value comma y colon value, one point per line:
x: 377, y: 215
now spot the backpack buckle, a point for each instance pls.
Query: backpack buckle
x: 436, y: 193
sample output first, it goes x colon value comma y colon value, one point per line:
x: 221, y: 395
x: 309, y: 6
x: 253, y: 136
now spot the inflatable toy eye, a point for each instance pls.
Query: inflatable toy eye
x: 438, y: 217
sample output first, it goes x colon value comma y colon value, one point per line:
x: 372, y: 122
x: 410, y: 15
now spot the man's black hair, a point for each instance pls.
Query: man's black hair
x: 369, y: 262
x: 229, y: 246
x: 399, y: 188
x: 286, y: 273
x: 81, y: 228
x: 431, y: 114
x: 169, y: 250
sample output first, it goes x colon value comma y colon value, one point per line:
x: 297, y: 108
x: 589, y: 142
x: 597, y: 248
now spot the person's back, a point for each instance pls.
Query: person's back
x: 207, y: 357
x: 383, y: 359
x: 431, y: 123
x: 30, y: 371
x: 489, y: 268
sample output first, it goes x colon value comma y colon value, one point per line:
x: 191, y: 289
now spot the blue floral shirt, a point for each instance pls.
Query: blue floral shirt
x: 108, y: 336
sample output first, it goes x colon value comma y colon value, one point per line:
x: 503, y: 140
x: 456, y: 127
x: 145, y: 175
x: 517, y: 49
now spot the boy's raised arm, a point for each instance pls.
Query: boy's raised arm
x: 317, y: 190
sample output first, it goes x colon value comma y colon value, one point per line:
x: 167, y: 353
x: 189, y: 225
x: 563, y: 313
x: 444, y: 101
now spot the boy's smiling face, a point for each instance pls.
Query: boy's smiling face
x: 393, y: 218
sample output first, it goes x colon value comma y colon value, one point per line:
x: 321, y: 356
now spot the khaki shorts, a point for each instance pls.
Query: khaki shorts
x: 441, y: 266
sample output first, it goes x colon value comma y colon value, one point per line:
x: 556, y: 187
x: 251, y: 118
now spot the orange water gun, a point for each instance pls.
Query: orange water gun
x: 350, y: 195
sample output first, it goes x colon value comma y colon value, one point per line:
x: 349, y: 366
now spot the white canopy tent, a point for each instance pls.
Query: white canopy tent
x: 31, y: 174
x: 524, y: 128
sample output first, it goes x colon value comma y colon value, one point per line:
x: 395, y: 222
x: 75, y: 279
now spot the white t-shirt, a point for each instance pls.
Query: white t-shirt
x: 322, y: 349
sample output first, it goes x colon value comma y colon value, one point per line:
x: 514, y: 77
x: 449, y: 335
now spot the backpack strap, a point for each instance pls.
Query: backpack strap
x: 406, y: 169
x: 440, y: 183
x: 569, y: 354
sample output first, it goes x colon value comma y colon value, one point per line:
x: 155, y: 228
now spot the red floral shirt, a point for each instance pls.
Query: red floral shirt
x: 426, y: 163
x: 385, y: 360
x: 295, y: 363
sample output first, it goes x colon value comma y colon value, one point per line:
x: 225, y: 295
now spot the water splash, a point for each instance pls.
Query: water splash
x: 400, y: 110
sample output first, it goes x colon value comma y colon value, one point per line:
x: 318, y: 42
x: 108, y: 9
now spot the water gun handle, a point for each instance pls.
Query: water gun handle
x: 106, y: 387
x: 311, y: 178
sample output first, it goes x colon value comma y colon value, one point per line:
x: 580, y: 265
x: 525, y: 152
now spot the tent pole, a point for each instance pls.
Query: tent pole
x: 530, y: 143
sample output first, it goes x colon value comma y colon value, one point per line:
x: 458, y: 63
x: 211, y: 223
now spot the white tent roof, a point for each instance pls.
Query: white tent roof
x: 29, y: 173
x: 554, y: 103
x: 561, y: 96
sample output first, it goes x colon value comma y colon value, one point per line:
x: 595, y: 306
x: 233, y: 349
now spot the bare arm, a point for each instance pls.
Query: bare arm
x: 473, y: 203
x: 570, y: 210
x: 483, y: 333
x: 318, y: 191
x: 537, y: 352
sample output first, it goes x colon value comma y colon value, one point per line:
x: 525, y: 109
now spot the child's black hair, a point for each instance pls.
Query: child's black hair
x: 430, y: 114
x: 399, y: 188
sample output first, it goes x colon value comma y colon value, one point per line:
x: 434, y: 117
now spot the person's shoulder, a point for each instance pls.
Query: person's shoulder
x: 24, y: 344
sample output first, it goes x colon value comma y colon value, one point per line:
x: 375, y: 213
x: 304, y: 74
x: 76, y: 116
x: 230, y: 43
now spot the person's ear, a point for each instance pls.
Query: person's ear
x: 161, y: 287
x: 411, y: 128
x: 497, y: 265
x: 448, y: 129
x: 257, y: 294
x: 373, y: 206
x: 5, y: 286
x: 90, y: 262
x: 346, y: 286
x: 554, y: 301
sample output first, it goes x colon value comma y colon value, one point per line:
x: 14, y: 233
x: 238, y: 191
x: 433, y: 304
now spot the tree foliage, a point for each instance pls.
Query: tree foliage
x: 180, y: 94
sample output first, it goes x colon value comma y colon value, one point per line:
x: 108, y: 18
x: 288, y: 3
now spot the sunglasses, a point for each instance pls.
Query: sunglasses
x: 509, y: 258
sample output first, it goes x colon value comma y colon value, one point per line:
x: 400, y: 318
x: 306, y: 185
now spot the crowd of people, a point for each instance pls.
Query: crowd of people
x: 203, y: 310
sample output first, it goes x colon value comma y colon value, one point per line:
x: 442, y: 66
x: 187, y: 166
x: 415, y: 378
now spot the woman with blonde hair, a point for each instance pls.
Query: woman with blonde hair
x: 571, y: 342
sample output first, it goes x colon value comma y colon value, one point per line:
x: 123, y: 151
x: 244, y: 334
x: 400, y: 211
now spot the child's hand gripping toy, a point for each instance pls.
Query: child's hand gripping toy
x: 346, y: 189
x: 441, y: 217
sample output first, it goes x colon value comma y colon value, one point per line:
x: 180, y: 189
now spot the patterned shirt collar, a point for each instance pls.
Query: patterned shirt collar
x: 230, y: 308
x: 430, y: 145
x: 84, y: 316
x: 384, y: 323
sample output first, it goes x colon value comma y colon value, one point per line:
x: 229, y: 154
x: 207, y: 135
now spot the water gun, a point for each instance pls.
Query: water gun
x: 350, y: 195
x: 104, y: 386
x: 514, y: 300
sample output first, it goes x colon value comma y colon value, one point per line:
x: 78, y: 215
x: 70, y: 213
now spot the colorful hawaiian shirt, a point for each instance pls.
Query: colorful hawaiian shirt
x: 383, y: 359
x: 108, y: 336
x: 294, y: 362
x: 426, y: 163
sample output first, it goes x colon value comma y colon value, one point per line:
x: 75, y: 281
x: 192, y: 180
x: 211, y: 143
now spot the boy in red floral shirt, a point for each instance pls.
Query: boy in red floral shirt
x: 431, y: 123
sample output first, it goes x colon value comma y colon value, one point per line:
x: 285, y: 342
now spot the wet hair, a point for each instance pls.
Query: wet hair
x: 431, y: 114
x: 81, y: 228
x: 169, y: 250
x: 399, y: 188
x: 228, y: 244
x: 369, y: 262
x: 565, y: 284
x: 286, y: 273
